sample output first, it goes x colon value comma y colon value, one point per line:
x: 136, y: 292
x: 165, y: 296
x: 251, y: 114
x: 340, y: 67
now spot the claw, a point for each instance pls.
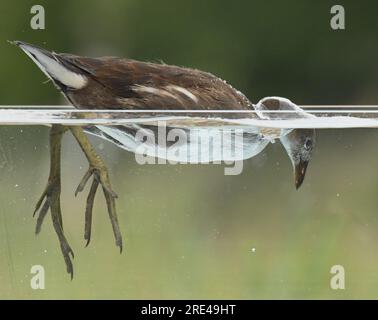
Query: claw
x: 52, y: 202
x: 41, y: 216
x: 89, y: 210
x: 84, y: 181
x: 113, y: 218
x: 39, y: 203
x: 64, y: 246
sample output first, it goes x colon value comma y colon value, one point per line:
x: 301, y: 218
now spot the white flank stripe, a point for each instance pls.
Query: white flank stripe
x: 159, y: 92
x: 185, y: 92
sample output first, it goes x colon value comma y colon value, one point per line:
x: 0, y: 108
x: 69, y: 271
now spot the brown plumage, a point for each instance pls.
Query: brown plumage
x: 130, y: 84
x: 118, y: 83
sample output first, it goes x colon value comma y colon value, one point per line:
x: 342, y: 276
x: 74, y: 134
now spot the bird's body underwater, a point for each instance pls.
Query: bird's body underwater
x: 117, y: 83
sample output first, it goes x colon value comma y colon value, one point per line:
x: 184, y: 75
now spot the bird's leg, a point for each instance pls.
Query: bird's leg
x: 98, y: 170
x: 51, y: 196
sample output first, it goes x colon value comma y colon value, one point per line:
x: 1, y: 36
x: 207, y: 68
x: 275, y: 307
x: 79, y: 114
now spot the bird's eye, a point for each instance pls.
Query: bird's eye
x: 308, y: 144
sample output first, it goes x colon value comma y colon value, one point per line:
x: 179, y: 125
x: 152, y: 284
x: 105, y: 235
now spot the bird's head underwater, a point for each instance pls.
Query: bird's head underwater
x: 299, y: 145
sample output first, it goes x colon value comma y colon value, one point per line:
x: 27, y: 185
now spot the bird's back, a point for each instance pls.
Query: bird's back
x: 130, y: 84
x: 119, y: 83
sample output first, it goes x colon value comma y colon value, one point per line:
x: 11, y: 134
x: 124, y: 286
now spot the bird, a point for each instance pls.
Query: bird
x: 121, y: 83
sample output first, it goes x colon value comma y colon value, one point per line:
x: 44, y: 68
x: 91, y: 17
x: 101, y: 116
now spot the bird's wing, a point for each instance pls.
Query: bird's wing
x: 144, y: 85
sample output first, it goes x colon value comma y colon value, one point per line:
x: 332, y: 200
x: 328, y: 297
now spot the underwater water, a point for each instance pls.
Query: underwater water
x: 189, y: 230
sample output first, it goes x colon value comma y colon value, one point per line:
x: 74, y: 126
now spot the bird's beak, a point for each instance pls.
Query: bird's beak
x: 300, y: 172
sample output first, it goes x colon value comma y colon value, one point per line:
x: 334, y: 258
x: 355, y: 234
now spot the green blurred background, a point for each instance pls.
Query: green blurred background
x: 189, y: 230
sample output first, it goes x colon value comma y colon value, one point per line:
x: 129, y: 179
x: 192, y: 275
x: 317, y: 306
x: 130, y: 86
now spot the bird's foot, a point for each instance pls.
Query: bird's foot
x: 98, y: 170
x: 50, y: 199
